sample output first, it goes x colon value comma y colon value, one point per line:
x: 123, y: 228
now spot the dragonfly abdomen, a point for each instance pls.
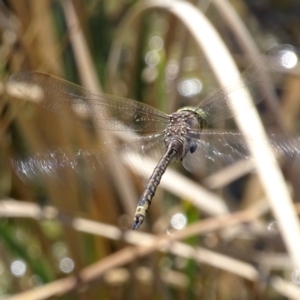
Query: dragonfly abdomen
x: 146, y: 198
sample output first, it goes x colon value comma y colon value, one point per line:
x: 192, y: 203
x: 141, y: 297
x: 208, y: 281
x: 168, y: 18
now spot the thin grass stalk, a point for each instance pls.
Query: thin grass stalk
x: 89, y: 78
x: 148, y: 244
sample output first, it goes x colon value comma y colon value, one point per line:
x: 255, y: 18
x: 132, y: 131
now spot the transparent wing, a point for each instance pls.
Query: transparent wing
x: 217, y: 150
x: 57, y: 164
x: 217, y: 105
x: 110, y: 112
x: 287, y: 147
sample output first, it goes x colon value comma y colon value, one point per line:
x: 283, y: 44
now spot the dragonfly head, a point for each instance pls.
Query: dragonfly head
x: 202, y: 116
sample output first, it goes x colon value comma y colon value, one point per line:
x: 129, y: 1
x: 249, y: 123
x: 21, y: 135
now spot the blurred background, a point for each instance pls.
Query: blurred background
x: 64, y: 224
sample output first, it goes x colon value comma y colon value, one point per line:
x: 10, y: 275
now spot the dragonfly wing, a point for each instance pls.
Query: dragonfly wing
x: 215, y: 151
x: 68, y: 100
x: 218, y: 107
x: 285, y: 146
x: 62, y: 164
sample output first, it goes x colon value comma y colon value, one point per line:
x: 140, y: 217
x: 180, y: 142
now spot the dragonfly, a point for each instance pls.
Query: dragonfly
x: 184, y: 135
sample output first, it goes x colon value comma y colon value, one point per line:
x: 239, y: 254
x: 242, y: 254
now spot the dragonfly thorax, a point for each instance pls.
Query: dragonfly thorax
x: 181, y: 124
x: 201, y: 115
